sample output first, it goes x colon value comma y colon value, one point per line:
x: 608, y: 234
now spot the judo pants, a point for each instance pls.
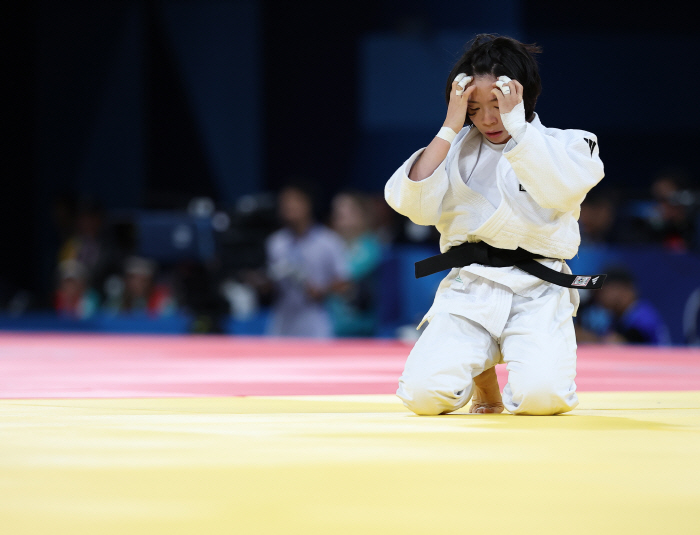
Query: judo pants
x: 537, y: 344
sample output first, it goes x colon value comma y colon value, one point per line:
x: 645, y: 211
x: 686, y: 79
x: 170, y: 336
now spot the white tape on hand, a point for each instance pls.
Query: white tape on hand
x: 458, y: 79
x: 464, y: 81
x: 501, y: 83
x: 503, y: 87
x: 515, y: 123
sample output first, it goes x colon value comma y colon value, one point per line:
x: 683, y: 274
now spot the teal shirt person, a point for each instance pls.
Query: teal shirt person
x: 354, y: 312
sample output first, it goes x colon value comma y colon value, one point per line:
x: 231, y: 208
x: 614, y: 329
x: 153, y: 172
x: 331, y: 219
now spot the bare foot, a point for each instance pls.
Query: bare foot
x: 487, y: 395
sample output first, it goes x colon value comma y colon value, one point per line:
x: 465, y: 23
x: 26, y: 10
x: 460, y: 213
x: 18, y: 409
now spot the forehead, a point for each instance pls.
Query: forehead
x: 482, y: 92
x: 292, y: 193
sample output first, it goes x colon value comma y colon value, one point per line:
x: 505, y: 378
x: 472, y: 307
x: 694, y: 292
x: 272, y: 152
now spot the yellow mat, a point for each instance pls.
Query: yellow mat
x: 621, y: 463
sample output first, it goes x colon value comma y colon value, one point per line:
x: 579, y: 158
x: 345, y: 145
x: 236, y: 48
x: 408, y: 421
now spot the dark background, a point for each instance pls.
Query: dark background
x: 144, y: 104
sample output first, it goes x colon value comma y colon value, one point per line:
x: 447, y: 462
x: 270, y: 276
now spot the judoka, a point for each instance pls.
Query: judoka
x: 507, y: 191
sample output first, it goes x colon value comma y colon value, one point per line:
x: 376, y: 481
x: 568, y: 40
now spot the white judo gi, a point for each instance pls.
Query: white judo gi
x: 529, y: 196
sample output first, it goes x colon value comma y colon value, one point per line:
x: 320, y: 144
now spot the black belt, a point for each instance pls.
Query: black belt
x: 482, y: 253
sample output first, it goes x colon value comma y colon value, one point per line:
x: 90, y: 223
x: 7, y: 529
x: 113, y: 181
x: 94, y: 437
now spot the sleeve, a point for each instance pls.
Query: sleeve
x: 557, y: 171
x: 278, y: 268
x: 420, y: 201
x: 338, y: 259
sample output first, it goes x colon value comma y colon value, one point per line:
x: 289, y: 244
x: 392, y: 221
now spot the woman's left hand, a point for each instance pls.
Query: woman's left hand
x: 506, y: 103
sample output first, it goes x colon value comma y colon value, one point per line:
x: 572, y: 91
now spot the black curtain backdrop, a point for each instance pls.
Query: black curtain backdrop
x: 311, y: 91
x: 17, y: 215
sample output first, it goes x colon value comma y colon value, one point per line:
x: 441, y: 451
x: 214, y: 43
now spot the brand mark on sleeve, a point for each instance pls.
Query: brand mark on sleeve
x: 591, y: 144
x: 522, y: 188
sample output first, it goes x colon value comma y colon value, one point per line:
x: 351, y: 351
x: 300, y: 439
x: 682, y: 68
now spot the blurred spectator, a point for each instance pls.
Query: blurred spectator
x: 99, y: 248
x: 618, y: 315
x: 354, y: 310
x: 198, y: 293
x: 597, y: 219
x: 13, y: 300
x: 385, y: 220
x: 85, y: 244
x: 74, y: 299
x: 691, y: 318
x: 671, y: 223
x: 306, y: 262
x: 138, y: 293
x: 63, y: 212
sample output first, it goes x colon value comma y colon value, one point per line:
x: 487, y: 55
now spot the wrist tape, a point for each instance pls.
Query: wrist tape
x: 515, y: 122
x: 447, y: 134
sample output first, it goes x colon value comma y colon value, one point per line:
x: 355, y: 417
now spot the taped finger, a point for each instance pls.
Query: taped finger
x: 464, y: 81
x: 503, y: 86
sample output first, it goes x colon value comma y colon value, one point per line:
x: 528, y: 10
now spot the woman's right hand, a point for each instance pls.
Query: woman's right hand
x: 436, y: 152
x: 457, y: 108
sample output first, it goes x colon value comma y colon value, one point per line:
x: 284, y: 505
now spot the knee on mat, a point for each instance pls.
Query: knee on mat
x: 423, y: 400
x: 540, y: 396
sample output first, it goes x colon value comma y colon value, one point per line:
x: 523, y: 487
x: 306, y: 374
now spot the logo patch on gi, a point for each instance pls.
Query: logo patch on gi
x: 581, y: 281
x: 591, y: 144
x: 522, y: 188
x: 458, y: 279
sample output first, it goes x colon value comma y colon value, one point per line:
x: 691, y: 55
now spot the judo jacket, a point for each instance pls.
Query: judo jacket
x: 542, y: 180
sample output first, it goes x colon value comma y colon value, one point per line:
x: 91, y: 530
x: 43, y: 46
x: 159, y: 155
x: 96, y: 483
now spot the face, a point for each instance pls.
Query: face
x: 663, y: 190
x: 294, y: 207
x: 348, y: 218
x: 597, y: 218
x: 137, y: 284
x: 615, y: 296
x: 483, y: 110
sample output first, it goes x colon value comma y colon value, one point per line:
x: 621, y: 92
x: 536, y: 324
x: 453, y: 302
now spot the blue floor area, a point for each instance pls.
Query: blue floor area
x: 136, y: 324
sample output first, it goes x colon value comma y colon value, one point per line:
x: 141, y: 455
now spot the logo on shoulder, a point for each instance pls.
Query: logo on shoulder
x: 591, y: 144
x: 581, y: 281
x: 522, y: 188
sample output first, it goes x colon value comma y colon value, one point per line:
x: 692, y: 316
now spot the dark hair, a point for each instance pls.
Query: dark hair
x: 501, y: 56
x: 304, y: 186
x: 620, y: 274
x: 310, y: 190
